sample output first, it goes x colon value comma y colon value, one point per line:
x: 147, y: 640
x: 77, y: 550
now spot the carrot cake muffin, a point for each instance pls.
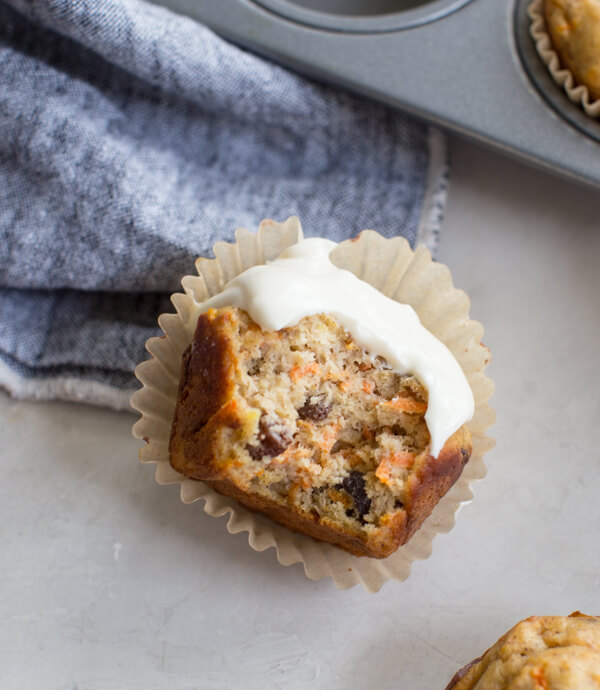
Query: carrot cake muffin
x: 309, y: 396
x: 574, y: 28
x: 539, y: 653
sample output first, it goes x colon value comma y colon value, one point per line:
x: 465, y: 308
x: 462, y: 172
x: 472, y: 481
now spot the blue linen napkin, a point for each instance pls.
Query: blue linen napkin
x: 132, y: 139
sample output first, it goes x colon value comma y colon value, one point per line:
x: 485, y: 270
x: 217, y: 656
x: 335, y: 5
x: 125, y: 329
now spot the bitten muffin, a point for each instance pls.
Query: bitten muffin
x: 539, y: 653
x: 574, y: 28
x: 305, y: 426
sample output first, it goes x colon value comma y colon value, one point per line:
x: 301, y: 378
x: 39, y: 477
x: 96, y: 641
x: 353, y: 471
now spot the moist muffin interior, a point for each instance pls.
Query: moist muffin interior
x: 330, y: 430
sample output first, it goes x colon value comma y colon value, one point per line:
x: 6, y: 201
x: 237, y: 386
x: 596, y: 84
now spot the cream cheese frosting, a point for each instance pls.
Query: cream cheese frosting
x: 303, y: 281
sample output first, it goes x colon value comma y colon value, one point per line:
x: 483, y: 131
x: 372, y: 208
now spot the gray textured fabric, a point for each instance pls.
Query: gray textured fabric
x: 132, y: 139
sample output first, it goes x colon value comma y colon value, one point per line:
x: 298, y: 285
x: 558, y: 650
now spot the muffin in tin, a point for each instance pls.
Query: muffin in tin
x: 574, y: 28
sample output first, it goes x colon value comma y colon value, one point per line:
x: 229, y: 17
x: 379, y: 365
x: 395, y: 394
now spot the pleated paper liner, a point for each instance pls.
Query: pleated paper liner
x: 576, y: 93
x: 391, y: 266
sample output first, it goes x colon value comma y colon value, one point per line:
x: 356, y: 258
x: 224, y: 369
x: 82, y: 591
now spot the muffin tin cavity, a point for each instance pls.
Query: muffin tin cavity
x: 362, y: 16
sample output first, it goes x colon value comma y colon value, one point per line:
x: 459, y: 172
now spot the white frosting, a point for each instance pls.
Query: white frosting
x: 303, y: 281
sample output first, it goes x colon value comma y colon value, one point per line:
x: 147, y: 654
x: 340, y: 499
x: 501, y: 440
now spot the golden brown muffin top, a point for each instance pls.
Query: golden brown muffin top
x: 539, y: 653
x: 574, y: 27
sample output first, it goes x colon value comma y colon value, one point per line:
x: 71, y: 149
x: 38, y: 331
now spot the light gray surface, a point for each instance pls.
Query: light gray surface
x: 462, y: 71
x: 108, y: 581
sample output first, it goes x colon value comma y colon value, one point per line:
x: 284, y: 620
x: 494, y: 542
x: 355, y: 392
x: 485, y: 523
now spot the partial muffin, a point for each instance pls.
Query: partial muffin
x: 305, y: 426
x: 574, y: 29
x: 539, y: 653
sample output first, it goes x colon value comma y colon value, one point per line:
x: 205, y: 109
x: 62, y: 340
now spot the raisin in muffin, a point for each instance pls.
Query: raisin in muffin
x: 539, y: 653
x: 303, y: 425
x: 574, y: 28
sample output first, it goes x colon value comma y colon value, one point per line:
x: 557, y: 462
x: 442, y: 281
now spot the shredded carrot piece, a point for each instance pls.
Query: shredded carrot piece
x: 400, y: 460
x: 340, y: 497
x: 409, y: 405
x: 328, y: 437
x: 539, y: 679
x: 344, y: 385
x: 297, y: 373
x: 291, y: 454
x: 368, y: 386
x: 303, y: 481
x: 303, y: 474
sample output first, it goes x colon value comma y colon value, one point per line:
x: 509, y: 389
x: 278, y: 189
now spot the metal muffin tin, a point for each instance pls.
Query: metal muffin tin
x: 467, y: 65
x: 362, y: 16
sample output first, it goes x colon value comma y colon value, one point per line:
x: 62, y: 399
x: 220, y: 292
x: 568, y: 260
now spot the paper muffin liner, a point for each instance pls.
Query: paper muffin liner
x: 392, y: 267
x: 576, y: 93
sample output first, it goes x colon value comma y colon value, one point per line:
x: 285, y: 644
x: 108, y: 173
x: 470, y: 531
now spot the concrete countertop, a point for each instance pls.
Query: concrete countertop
x: 109, y: 581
